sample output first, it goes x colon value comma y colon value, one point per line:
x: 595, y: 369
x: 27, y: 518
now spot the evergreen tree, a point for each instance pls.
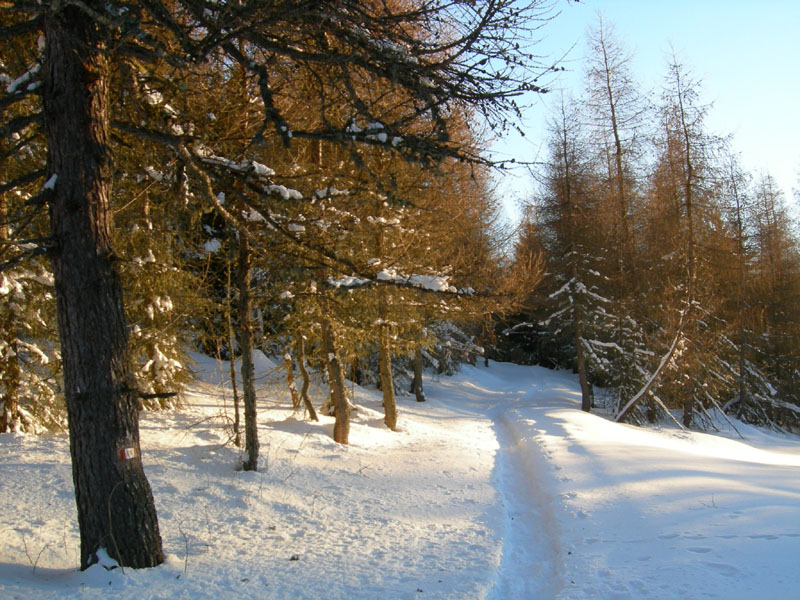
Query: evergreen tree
x: 577, y: 313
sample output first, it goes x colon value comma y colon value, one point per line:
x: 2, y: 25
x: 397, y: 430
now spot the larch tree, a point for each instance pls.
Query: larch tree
x: 616, y: 114
x: 471, y: 54
x: 575, y: 313
x: 29, y: 360
x: 685, y: 232
x: 776, y: 289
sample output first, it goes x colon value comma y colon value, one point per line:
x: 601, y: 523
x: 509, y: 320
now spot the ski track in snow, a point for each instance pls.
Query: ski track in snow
x: 497, y: 488
x: 531, y: 559
x: 531, y: 565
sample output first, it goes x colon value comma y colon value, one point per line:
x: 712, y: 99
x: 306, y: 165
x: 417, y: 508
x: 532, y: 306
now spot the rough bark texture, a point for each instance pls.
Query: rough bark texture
x: 251, y: 445
x: 114, y: 500
x: 341, y: 427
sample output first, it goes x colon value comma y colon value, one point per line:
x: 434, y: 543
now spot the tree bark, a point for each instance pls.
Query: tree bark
x: 114, y: 500
x: 586, y: 387
x: 288, y: 364
x: 416, y: 384
x: 341, y: 427
x: 385, y: 364
x: 387, y: 383
x: 237, y: 434
x: 251, y: 445
x: 301, y: 357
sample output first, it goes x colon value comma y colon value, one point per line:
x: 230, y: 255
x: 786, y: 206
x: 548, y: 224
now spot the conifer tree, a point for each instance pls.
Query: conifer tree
x: 576, y: 315
x: 450, y: 54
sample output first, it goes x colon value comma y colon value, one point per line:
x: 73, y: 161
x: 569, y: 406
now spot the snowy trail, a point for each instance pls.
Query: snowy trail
x: 531, y: 564
x: 497, y: 488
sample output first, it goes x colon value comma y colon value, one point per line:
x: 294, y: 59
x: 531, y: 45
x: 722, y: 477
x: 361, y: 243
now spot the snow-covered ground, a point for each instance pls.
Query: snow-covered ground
x: 498, y: 487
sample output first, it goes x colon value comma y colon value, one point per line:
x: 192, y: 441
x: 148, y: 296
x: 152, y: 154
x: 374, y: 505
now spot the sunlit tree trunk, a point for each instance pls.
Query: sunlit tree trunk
x: 300, y: 345
x: 416, y: 384
x: 385, y: 364
x: 341, y: 427
x: 251, y: 445
x: 237, y: 437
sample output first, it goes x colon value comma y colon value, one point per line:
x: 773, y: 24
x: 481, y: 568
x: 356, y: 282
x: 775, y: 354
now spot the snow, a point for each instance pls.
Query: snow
x: 283, y: 192
x: 154, y: 173
x: 347, y: 282
x: 24, y: 79
x: 435, y: 283
x: 497, y: 487
x: 211, y: 246
x: 50, y: 184
x: 330, y: 192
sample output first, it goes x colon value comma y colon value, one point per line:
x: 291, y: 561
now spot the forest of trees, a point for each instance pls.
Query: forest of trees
x: 310, y: 179
x: 673, y: 276
x: 304, y: 178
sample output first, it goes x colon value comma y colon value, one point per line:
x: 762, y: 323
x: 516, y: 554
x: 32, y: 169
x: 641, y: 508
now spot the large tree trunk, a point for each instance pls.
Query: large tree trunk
x: 115, y: 504
x: 341, y: 427
x: 251, y: 445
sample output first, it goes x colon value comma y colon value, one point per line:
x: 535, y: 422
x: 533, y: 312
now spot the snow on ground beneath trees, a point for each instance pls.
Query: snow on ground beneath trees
x: 498, y: 487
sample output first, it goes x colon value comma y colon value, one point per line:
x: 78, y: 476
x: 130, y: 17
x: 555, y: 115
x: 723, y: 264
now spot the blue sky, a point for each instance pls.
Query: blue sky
x: 745, y: 54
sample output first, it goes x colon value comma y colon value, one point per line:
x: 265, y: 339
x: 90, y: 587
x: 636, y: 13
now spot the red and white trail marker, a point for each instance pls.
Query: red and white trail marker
x: 127, y: 453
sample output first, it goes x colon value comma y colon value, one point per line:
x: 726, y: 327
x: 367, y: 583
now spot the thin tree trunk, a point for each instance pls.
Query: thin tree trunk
x: 301, y: 364
x: 341, y: 427
x: 387, y: 383
x: 385, y: 363
x: 416, y: 384
x: 586, y: 387
x: 251, y: 445
x: 569, y: 209
x: 689, y: 401
x: 742, y: 302
x: 237, y: 436
x: 688, y: 410
x: 665, y: 360
x: 113, y: 497
x: 288, y: 364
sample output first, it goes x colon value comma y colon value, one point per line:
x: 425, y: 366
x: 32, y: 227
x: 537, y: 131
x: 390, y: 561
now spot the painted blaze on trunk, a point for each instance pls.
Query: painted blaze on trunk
x: 114, y: 500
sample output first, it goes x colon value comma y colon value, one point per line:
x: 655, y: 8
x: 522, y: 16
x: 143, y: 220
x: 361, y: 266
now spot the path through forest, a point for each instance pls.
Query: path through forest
x: 498, y: 487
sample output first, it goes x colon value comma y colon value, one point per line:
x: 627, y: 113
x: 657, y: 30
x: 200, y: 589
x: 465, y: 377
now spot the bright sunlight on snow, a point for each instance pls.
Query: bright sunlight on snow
x: 498, y: 487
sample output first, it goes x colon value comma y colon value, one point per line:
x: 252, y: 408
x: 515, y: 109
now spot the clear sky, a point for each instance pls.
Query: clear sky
x: 745, y: 54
